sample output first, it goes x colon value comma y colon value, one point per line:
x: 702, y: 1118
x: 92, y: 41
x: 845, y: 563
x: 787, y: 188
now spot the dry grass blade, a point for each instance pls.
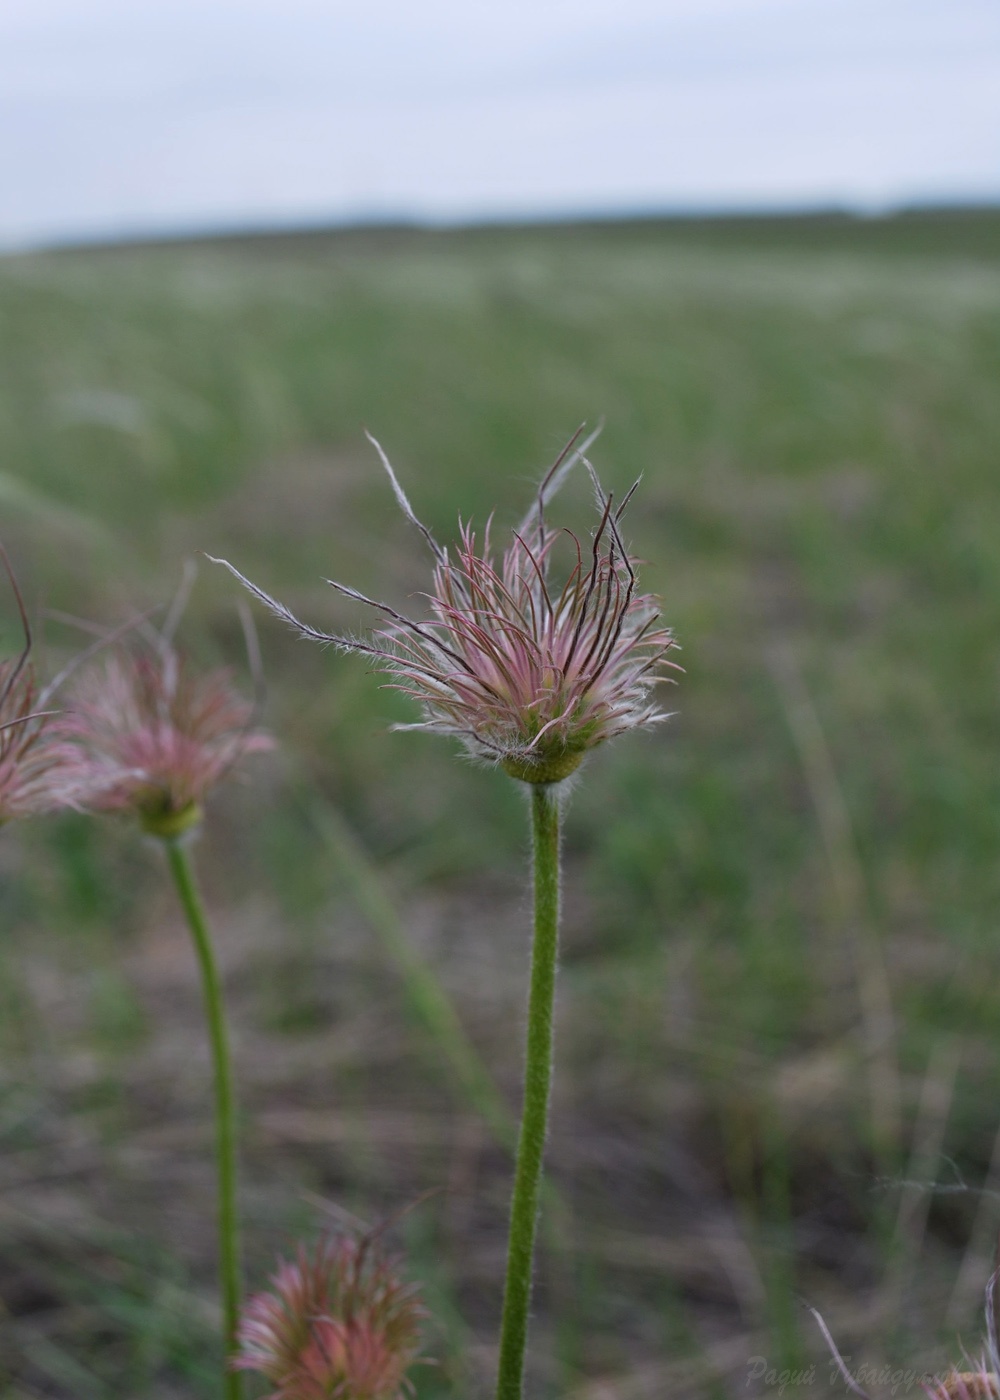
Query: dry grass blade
x: 849, y: 896
x: 917, y: 1189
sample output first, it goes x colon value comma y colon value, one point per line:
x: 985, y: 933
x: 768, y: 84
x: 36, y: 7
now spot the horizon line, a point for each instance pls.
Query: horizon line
x: 401, y: 221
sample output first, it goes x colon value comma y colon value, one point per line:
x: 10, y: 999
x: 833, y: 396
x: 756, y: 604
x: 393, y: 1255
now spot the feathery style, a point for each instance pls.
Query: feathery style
x: 527, y: 673
x: 335, y: 1325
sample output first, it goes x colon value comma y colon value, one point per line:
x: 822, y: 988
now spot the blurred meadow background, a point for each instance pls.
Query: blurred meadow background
x: 778, y: 1059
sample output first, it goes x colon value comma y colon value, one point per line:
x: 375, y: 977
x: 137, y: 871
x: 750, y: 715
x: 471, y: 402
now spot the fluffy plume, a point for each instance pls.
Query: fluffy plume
x: 527, y: 672
x: 337, y: 1324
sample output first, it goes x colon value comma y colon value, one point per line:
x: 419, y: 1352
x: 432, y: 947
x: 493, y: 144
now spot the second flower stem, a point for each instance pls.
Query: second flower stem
x: 225, y: 1113
x: 537, y: 1082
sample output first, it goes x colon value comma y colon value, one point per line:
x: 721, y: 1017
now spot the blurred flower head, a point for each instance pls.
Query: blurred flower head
x: 528, y: 672
x: 337, y: 1324
x: 979, y: 1381
x: 153, y: 737
x: 978, y: 1384
x: 37, y: 772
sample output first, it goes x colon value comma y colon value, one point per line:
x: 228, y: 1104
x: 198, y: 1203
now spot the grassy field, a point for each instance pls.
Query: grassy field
x: 778, y: 1074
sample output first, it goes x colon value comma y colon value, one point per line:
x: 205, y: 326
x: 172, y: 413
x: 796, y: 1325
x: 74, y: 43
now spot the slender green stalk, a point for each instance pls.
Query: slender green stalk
x: 537, y: 1082
x: 225, y: 1116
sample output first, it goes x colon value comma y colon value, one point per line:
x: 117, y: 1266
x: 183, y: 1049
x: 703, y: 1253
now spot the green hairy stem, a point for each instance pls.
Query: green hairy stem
x: 537, y: 1083
x: 225, y: 1117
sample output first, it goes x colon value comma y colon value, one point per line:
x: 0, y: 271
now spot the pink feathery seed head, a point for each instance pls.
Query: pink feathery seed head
x: 528, y: 670
x: 37, y: 772
x: 152, y: 737
x: 337, y: 1324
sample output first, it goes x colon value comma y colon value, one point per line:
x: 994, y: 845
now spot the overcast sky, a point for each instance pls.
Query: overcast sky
x: 141, y: 116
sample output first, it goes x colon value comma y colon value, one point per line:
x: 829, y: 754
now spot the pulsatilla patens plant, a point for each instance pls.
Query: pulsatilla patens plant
x: 153, y: 738
x: 527, y: 672
x: 530, y: 673
x: 337, y: 1324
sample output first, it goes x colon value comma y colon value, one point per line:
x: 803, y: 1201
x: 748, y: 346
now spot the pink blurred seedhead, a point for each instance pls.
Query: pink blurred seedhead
x: 337, y: 1324
x: 528, y: 673
x: 977, y: 1384
x: 37, y: 772
x: 154, y: 737
x: 978, y: 1380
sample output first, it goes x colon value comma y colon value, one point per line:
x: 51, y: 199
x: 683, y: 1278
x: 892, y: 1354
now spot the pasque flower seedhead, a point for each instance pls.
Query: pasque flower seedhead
x: 337, y: 1324
x: 153, y: 737
x: 529, y: 674
x: 37, y: 770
